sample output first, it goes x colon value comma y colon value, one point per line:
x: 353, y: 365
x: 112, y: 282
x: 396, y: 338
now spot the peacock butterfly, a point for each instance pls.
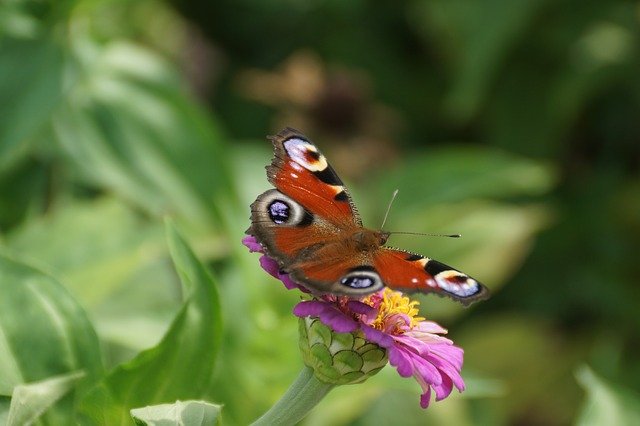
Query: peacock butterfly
x: 311, y: 227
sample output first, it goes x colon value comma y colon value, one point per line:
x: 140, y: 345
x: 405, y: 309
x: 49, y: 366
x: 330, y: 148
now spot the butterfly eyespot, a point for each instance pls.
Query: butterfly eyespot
x: 358, y: 281
x: 363, y: 279
x: 305, y: 154
x: 279, y: 212
x: 457, y: 283
x: 282, y: 210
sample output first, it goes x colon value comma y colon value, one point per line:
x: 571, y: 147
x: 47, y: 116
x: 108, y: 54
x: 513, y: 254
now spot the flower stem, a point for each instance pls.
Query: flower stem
x: 303, y: 394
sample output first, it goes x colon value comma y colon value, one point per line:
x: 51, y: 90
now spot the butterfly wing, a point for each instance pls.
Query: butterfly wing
x: 300, y: 171
x: 409, y: 272
x: 311, y: 227
x: 303, y: 222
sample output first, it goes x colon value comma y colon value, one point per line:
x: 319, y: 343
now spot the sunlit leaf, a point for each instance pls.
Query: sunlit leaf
x: 43, y: 332
x: 181, y: 365
x: 101, y: 242
x: 130, y: 128
x: 606, y: 403
x: 460, y: 173
x: 113, y: 260
x: 180, y: 413
x: 30, y: 400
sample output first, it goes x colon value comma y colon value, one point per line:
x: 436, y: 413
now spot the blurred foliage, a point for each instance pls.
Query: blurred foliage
x: 513, y: 123
x: 186, y: 413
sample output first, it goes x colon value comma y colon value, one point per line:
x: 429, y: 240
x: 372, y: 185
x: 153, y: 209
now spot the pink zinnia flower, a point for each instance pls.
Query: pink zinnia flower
x: 415, y: 347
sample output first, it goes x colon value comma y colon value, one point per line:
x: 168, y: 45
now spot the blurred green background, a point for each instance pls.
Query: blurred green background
x: 515, y: 123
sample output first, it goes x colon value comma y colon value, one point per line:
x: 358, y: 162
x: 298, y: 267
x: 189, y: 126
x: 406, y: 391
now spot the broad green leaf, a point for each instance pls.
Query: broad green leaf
x: 606, y: 403
x: 129, y: 127
x: 131, y: 295
x: 30, y: 400
x: 459, y: 173
x: 181, y: 365
x: 43, y: 332
x: 102, y: 242
x: 180, y: 413
x: 31, y: 74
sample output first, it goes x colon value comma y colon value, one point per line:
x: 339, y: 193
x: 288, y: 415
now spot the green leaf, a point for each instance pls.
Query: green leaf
x: 181, y: 365
x: 606, y: 404
x: 102, y: 241
x: 29, y: 401
x: 129, y: 127
x: 122, y: 254
x: 23, y: 189
x: 30, y: 88
x: 183, y: 413
x: 43, y: 331
x: 459, y: 173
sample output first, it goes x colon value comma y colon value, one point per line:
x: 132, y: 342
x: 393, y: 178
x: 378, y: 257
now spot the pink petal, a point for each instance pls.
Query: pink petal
x: 377, y: 336
x: 327, y: 313
x: 428, y: 372
x: 425, y: 398
x: 272, y: 267
x: 358, y: 307
x: 450, y: 370
x: 444, y: 389
x: 399, y: 359
x: 309, y: 308
x: 252, y: 244
x: 430, y: 327
x: 451, y: 353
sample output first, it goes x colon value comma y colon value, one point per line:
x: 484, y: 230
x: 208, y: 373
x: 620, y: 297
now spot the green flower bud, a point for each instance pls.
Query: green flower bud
x: 338, y: 358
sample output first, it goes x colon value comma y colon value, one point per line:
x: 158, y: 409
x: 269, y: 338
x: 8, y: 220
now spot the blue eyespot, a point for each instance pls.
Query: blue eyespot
x: 279, y: 212
x: 358, y: 281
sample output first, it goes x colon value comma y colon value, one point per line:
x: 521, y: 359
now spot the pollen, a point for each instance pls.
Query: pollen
x: 390, y: 303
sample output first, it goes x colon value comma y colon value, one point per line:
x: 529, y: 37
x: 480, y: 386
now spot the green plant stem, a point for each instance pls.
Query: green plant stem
x: 303, y: 394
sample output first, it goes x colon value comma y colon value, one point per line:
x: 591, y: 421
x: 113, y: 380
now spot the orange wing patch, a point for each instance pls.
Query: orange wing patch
x: 411, y: 272
x: 300, y: 171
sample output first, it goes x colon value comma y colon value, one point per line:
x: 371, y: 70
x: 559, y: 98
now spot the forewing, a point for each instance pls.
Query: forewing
x: 409, y: 272
x: 300, y: 171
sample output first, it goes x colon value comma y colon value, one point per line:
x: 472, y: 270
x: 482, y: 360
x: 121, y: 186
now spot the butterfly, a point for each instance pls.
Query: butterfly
x: 309, y: 224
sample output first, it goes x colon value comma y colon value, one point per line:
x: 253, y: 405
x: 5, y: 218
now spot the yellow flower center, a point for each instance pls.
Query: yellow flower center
x: 394, y: 302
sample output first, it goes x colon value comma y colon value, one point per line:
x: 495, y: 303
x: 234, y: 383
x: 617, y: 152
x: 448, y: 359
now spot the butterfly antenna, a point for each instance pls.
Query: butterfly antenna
x: 427, y: 235
x: 393, y: 197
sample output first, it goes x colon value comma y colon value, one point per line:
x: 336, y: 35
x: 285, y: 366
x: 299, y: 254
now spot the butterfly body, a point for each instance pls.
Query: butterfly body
x: 310, y: 225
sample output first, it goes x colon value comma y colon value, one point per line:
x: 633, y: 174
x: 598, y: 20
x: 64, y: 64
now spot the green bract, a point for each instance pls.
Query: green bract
x: 338, y: 358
